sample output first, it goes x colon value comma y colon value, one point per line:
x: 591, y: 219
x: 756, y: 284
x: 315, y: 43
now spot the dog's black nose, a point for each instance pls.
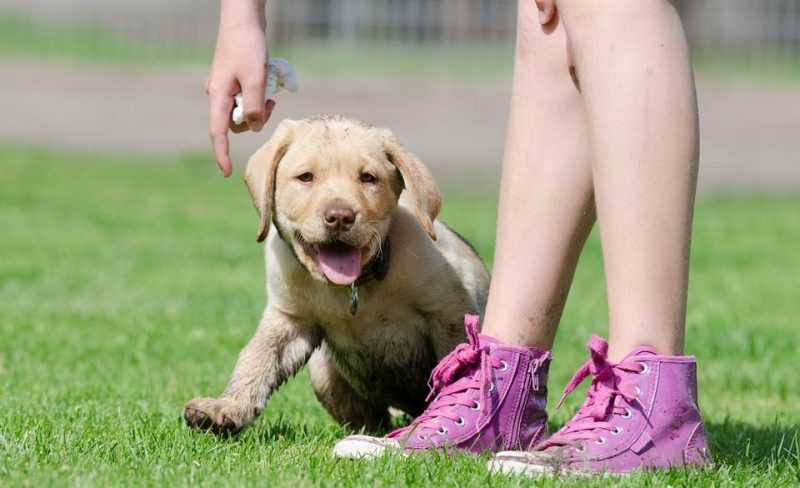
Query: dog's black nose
x: 339, y: 218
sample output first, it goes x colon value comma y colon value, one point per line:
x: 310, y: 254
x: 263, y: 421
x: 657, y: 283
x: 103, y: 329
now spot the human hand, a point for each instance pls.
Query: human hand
x: 547, y: 9
x: 239, y: 65
x: 281, y: 75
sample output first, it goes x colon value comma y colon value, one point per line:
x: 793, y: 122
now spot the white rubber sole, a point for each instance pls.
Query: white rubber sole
x: 356, y: 447
x: 517, y: 468
x: 516, y: 463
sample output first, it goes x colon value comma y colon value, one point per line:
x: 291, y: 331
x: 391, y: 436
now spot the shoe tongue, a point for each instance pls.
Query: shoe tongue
x: 489, y: 340
x: 641, y: 351
x: 340, y: 264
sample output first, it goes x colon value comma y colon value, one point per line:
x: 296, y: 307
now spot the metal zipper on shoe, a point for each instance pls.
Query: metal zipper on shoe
x: 532, y: 380
x: 533, y: 368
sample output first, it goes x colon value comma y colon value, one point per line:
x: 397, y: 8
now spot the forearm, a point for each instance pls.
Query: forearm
x: 239, y: 66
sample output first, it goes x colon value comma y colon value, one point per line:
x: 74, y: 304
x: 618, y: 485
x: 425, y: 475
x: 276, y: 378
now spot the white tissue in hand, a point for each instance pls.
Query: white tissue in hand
x: 280, y: 75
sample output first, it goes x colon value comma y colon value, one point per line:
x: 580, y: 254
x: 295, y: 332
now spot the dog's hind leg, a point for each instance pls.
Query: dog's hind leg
x: 279, y: 348
x: 343, y: 402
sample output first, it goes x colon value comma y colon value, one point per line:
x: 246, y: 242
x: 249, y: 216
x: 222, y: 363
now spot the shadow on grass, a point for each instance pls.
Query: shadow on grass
x: 735, y: 443
x: 732, y: 443
x: 292, y: 430
x: 738, y: 443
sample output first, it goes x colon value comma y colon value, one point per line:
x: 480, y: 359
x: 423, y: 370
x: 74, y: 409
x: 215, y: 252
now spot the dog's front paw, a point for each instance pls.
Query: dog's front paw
x: 220, y: 416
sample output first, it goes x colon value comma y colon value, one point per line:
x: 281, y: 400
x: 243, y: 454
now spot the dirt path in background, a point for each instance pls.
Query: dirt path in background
x: 750, y: 131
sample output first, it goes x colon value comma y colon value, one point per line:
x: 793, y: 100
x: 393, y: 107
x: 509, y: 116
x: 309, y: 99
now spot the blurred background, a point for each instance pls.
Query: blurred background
x: 130, y: 277
x: 101, y: 75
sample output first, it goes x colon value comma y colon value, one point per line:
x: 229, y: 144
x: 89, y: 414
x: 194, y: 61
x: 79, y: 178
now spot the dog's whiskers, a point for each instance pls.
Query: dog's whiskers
x: 410, y: 251
x: 374, y: 243
x: 300, y: 239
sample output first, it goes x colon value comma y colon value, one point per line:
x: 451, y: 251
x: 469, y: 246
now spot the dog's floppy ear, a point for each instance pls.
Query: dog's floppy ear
x: 260, y: 173
x: 417, y: 180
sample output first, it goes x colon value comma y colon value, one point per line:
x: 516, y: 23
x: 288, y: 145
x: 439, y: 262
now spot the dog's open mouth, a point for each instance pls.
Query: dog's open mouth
x: 338, y: 261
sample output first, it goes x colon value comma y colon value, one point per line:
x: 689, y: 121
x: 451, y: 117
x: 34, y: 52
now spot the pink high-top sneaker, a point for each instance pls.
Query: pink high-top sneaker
x: 639, y: 413
x: 489, y: 396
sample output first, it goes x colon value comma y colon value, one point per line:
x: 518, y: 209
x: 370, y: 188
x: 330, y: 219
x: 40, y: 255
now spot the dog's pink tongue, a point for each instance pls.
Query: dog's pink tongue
x: 341, y: 266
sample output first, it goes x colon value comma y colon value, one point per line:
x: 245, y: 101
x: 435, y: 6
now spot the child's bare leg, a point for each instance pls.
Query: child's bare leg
x: 546, y: 208
x: 633, y: 65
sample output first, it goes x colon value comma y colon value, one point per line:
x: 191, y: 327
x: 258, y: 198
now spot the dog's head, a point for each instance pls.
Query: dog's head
x: 333, y: 185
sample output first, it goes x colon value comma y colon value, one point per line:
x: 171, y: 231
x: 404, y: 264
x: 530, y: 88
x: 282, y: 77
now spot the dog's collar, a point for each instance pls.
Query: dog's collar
x: 376, y: 268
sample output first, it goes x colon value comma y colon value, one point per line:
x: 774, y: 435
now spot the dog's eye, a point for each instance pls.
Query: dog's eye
x: 305, y: 177
x: 368, y: 178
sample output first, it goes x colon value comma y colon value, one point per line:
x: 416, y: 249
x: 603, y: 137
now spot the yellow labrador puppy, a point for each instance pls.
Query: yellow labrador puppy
x: 363, y: 283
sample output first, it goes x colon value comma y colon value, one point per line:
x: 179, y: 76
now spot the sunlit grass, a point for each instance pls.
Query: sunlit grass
x: 128, y: 286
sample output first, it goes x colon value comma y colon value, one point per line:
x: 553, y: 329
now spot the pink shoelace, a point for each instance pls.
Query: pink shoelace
x: 608, y: 381
x: 450, y: 381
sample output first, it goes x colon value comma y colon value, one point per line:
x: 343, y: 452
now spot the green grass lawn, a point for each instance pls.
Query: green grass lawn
x: 128, y: 286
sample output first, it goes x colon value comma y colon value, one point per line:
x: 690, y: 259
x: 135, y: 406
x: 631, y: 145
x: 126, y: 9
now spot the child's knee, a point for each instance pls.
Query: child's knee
x: 590, y: 23
x: 537, y: 44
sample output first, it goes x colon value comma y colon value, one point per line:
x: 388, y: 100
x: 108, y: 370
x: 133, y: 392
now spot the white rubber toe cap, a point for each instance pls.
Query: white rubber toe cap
x: 364, y: 447
x: 516, y: 462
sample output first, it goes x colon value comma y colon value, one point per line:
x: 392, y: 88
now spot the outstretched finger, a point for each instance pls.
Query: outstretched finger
x: 220, y: 105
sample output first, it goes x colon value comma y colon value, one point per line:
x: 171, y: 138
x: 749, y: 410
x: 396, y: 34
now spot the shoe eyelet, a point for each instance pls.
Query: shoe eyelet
x: 645, y: 368
x: 461, y: 421
x: 616, y: 431
x: 503, y: 366
x: 475, y: 407
x: 491, y: 387
x: 442, y: 430
x: 628, y: 414
x: 422, y: 437
x: 601, y: 441
x: 638, y: 391
x: 580, y: 448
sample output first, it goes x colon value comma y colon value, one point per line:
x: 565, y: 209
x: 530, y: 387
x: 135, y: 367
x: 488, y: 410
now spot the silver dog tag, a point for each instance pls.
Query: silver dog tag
x: 353, y: 298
